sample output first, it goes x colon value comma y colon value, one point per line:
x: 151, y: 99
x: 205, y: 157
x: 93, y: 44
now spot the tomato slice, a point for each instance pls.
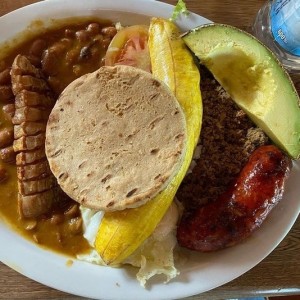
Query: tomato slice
x: 130, y: 47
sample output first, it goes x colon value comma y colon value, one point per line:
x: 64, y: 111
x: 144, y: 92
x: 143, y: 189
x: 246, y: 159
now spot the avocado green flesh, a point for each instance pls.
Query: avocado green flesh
x: 254, y: 79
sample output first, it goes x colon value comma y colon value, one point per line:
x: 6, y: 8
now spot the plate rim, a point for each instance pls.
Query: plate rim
x: 58, y: 260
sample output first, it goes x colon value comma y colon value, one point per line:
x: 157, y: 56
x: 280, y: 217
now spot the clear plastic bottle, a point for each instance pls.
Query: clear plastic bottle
x: 277, y: 25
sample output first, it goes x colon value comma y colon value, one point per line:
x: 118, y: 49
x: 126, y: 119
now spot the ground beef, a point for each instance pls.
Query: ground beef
x: 227, y: 139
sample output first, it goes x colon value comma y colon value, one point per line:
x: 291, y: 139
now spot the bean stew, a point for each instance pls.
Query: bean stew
x: 62, y: 54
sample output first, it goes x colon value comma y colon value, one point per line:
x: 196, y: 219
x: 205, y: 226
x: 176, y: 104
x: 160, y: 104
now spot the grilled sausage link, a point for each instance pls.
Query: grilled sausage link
x: 242, y: 208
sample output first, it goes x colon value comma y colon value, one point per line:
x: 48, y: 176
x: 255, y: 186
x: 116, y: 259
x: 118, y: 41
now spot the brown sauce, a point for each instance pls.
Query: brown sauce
x: 64, y: 54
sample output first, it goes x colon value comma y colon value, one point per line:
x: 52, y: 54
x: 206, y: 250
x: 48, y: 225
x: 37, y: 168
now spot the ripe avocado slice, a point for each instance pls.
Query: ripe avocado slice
x: 254, y: 78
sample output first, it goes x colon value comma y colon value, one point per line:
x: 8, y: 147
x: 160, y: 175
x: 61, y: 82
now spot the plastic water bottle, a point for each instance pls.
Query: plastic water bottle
x: 277, y: 25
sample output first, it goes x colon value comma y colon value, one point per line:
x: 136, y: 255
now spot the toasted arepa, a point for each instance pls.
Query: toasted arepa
x: 115, y: 138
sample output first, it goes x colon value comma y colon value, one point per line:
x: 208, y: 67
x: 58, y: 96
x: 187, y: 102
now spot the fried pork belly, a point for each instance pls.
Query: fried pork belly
x: 37, y: 187
x: 33, y: 172
x: 32, y: 99
x: 25, y: 143
x: 29, y: 114
x: 28, y: 157
x: 37, y: 204
x: 28, y: 129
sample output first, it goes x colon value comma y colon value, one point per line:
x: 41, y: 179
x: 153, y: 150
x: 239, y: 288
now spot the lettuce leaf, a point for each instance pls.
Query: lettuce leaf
x: 180, y: 8
x: 154, y: 256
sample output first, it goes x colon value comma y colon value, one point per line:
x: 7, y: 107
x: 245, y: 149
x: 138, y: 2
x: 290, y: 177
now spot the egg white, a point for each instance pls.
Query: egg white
x: 154, y: 256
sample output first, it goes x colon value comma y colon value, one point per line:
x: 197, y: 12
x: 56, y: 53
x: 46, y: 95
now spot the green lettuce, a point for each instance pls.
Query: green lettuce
x: 180, y: 8
x: 155, y: 256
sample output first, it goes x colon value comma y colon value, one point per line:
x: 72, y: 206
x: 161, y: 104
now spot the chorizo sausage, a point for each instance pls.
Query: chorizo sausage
x: 241, y: 208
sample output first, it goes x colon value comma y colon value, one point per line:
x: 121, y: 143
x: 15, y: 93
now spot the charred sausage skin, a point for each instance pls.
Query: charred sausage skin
x: 242, y: 208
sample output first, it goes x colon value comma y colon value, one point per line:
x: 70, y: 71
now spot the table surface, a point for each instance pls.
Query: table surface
x: 278, y: 274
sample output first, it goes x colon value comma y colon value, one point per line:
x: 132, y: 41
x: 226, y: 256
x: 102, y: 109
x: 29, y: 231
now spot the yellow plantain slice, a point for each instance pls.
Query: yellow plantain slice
x: 122, y: 232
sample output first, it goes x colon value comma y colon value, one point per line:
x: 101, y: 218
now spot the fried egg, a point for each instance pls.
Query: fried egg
x: 155, y: 256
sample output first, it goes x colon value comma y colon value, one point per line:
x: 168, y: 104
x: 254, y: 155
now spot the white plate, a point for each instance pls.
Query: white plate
x: 201, y: 272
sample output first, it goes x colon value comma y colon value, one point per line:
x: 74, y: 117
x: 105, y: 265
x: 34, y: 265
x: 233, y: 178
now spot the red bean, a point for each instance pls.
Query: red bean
x: 6, y: 137
x: 8, y: 155
x: 98, y: 38
x: 5, y: 77
x: 61, y: 47
x: 85, y: 53
x: 50, y: 63
x: 9, y: 111
x: 57, y: 219
x: 75, y: 225
x: 6, y: 94
x: 72, y: 211
x: 69, y: 33
x: 109, y: 31
x: 35, y: 60
x: 93, y: 28
x: 67, y: 41
x: 37, y: 48
x: 82, y: 36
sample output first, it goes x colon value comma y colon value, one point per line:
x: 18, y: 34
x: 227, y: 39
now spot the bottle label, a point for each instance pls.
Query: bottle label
x: 285, y: 24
